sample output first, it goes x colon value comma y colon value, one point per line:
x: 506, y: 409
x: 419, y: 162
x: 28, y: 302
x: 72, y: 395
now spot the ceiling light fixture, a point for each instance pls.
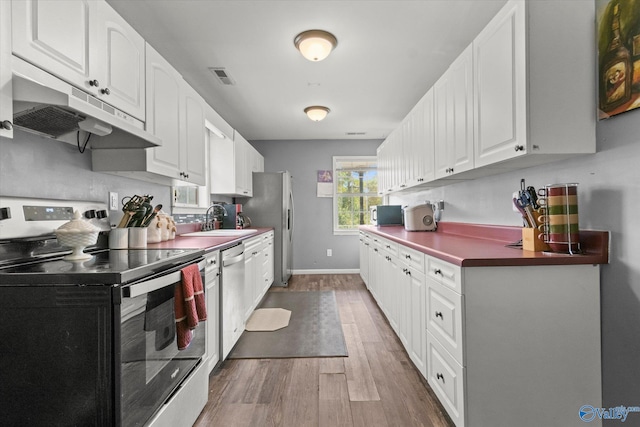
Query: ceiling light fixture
x: 316, y: 112
x: 315, y: 45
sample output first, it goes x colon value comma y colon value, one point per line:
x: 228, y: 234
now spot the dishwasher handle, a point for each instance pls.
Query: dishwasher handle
x: 230, y: 261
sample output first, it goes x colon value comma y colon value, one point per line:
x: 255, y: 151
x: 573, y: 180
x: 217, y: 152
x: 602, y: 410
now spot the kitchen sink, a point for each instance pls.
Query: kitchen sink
x: 222, y: 233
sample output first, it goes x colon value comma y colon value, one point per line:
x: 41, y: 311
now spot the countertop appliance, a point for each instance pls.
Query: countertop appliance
x: 232, y: 289
x: 89, y: 342
x: 419, y: 218
x: 272, y: 206
x: 386, y: 215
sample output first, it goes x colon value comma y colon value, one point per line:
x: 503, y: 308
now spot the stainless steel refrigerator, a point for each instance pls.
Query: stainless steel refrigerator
x: 272, y: 206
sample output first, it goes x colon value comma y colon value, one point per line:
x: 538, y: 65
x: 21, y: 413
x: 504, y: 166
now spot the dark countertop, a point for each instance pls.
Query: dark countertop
x: 208, y: 244
x: 477, y: 245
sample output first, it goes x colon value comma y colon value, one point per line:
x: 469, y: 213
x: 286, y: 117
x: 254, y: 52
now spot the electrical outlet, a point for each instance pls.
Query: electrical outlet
x: 329, y: 252
x: 113, y: 201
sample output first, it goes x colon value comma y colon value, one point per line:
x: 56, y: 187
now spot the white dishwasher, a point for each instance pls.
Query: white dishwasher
x: 232, y: 285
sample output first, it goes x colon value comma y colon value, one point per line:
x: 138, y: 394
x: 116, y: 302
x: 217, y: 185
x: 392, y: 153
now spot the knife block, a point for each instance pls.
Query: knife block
x: 531, y: 242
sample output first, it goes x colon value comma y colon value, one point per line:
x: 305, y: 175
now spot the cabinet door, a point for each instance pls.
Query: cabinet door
x: 56, y: 36
x: 462, y: 97
x: 242, y: 163
x: 499, y: 54
x: 443, y: 125
x: 6, y: 91
x: 222, y: 165
x: 417, y: 324
x: 422, y: 140
x: 192, y: 147
x: 249, y: 283
x: 119, y: 56
x: 382, y: 157
x: 163, y: 113
x: 213, y: 307
x: 267, y: 265
x: 402, y: 289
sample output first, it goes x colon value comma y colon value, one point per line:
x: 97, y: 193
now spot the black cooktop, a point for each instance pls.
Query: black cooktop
x: 105, y: 267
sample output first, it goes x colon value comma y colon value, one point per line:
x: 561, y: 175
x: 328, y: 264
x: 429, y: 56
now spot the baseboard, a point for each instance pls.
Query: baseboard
x: 328, y: 271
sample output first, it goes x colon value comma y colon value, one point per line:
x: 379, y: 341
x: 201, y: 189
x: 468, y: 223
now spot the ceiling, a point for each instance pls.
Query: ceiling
x: 389, y: 53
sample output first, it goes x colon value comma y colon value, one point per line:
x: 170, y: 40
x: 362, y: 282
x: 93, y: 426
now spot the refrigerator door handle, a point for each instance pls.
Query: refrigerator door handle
x: 290, y: 213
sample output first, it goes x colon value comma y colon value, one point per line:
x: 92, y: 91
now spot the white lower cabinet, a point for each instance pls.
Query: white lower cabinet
x: 258, y: 270
x: 446, y: 377
x: 499, y: 346
x: 212, y: 293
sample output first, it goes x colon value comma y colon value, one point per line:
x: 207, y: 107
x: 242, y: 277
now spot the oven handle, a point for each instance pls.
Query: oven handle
x: 155, y: 284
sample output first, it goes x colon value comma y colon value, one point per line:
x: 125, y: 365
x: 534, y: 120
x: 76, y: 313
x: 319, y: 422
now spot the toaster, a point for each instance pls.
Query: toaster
x: 419, y: 218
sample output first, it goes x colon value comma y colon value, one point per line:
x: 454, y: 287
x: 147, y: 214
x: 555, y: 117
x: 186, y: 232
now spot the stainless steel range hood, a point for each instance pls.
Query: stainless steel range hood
x: 46, y: 105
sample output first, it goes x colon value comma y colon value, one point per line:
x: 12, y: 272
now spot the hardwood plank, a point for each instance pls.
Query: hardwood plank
x: 334, y: 407
x: 367, y: 329
x: 360, y: 382
x: 300, y: 398
x: 369, y: 414
x: 332, y: 365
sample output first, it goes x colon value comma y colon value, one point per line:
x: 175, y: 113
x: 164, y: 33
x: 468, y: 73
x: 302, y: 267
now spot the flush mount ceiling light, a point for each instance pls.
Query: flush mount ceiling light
x: 316, y: 112
x: 315, y: 45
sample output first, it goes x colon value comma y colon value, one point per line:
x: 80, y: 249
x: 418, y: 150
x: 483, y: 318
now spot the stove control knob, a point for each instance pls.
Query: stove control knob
x: 90, y: 214
x: 101, y: 214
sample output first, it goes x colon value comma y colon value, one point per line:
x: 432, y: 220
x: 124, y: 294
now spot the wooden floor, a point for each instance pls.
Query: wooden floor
x: 377, y: 385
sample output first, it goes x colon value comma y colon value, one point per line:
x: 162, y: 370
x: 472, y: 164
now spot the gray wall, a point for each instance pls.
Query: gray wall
x: 313, y: 215
x: 33, y: 166
x: 608, y: 199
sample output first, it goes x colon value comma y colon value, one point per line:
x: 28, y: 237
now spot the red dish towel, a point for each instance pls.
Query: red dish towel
x: 190, y: 305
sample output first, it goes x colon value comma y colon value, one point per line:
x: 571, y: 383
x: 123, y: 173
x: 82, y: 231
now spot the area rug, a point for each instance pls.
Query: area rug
x: 314, y: 329
x: 268, y: 320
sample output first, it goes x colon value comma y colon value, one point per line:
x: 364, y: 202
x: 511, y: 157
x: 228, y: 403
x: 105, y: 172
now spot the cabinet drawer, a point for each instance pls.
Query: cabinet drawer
x: 445, y: 318
x: 446, y: 378
x: 389, y: 248
x: 443, y: 272
x: 412, y: 258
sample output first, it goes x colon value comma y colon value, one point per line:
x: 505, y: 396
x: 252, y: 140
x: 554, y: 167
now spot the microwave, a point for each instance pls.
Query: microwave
x: 386, y: 215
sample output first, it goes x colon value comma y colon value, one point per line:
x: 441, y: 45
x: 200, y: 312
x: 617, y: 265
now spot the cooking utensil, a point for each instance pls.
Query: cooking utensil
x: 517, y: 204
x: 147, y: 220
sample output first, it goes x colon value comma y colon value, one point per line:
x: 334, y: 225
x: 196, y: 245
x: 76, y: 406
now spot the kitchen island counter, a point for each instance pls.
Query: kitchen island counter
x: 478, y: 245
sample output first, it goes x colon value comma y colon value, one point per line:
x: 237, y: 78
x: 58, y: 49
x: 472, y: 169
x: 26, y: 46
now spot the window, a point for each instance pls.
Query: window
x: 355, y: 188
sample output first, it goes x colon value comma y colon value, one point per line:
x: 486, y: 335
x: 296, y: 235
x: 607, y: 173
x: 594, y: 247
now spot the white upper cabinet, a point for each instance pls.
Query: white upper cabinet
x: 163, y: 118
x: 508, y: 101
x: 232, y: 163
x: 192, y: 148
x: 6, y: 90
x: 453, y: 103
x: 529, y: 106
x: 176, y: 115
x: 120, y: 57
x: 500, y: 87
x: 87, y: 44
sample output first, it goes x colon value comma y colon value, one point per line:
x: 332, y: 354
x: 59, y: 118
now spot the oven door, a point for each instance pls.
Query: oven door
x: 151, y: 365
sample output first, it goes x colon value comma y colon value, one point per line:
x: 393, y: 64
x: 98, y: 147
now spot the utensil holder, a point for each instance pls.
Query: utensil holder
x: 119, y: 238
x: 137, y: 238
x: 531, y: 240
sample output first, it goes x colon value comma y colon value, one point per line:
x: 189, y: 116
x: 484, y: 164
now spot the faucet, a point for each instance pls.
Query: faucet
x: 208, y: 224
